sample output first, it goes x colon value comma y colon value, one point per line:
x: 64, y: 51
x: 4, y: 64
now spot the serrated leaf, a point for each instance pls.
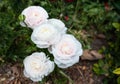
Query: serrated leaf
x: 116, y: 71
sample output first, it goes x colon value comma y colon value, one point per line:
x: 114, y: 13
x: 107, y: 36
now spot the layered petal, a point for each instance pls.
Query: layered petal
x: 37, y: 65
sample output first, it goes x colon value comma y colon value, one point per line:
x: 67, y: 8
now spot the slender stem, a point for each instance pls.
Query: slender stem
x: 62, y: 4
x: 77, y: 7
x: 76, y: 11
x: 65, y: 75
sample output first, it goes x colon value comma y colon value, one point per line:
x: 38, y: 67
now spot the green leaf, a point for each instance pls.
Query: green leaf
x: 116, y: 25
x: 116, y: 71
x: 101, y: 63
x: 118, y: 80
x: 96, y: 65
x: 116, y: 4
x: 43, y: 3
x: 96, y: 69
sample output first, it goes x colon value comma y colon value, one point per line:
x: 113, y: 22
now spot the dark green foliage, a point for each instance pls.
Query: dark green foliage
x: 14, y: 39
x: 111, y: 61
x: 116, y: 5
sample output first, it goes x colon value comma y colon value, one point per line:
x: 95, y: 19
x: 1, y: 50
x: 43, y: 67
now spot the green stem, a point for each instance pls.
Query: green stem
x: 77, y: 7
x: 76, y: 11
x: 65, y: 75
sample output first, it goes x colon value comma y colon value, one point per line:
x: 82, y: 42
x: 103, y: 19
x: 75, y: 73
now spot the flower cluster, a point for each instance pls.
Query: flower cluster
x: 51, y: 34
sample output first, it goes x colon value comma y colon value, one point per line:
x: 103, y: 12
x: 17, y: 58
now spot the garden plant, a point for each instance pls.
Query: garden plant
x: 59, y: 41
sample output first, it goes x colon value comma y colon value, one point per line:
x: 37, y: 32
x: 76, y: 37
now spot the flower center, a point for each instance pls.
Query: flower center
x: 45, y: 30
x: 65, y: 49
x: 34, y: 14
x: 35, y: 66
x: 46, y: 33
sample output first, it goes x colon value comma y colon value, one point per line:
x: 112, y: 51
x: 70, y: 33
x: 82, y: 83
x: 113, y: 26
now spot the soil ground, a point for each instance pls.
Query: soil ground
x: 80, y: 73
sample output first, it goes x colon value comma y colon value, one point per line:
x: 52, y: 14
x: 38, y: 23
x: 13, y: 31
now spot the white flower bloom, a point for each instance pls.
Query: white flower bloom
x: 34, y: 16
x: 67, y: 51
x: 36, y: 66
x: 46, y: 35
x: 58, y: 24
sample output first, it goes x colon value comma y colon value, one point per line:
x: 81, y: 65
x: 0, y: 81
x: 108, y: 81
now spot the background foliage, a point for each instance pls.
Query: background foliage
x: 102, y: 16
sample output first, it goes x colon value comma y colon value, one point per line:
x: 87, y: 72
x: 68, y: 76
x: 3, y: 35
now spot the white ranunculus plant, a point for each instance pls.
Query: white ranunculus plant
x: 37, y: 65
x: 51, y: 34
x: 67, y: 51
x: 34, y: 16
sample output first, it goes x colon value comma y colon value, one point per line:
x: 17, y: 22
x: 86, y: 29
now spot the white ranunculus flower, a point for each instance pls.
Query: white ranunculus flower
x: 67, y: 51
x: 46, y: 35
x: 34, y: 16
x: 37, y: 65
x: 58, y: 24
